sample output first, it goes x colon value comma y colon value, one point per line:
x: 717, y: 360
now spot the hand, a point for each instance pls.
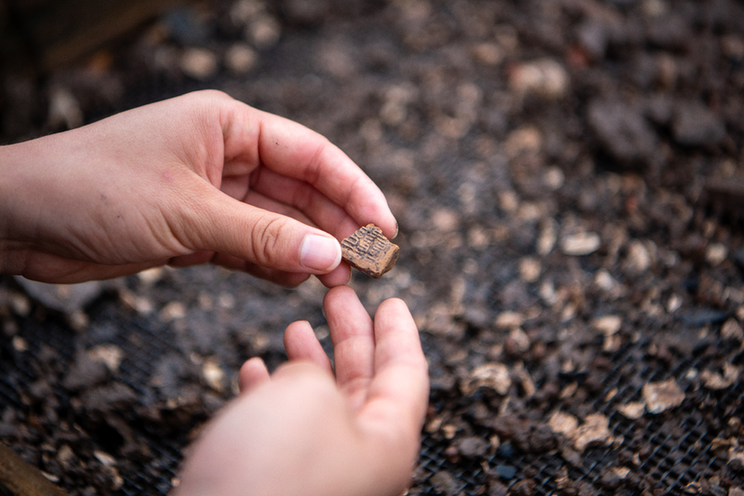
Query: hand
x: 190, y: 180
x: 302, y: 431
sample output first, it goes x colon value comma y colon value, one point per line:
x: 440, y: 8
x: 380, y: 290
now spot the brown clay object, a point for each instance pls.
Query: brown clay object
x: 369, y: 251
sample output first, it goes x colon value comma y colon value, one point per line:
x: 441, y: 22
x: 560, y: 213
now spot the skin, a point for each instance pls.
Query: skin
x: 195, y: 179
x: 204, y: 178
x: 304, y: 430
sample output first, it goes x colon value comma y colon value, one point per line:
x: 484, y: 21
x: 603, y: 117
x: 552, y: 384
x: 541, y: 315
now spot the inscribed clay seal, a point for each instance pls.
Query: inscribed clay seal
x: 369, y: 251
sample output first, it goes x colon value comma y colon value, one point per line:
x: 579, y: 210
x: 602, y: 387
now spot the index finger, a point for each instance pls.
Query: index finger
x: 293, y: 150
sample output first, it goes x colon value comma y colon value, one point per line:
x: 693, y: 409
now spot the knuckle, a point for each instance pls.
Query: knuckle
x: 266, y: 237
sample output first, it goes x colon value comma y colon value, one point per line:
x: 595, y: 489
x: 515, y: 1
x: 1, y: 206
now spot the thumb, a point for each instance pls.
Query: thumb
x: 268, y: 239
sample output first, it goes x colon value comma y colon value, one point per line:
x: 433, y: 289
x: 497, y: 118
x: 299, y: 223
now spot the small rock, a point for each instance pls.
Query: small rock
x: 506, y: 472
x: 607, y: 325
x: 509, y: 320
x: 109, y: 354
x: 716, y: 381
x: 487, y: 53
x: 594, y: 430
x: 632, y: 410
x: 199, y: 63
x: 580, y: 244
x: 563, y: 423
x: 545, y: 78
x: 19, y: 344
x: 64, y: 110
x: 472, y: 447
x: 491, y: 375
x: 696, y: 125
x: 240, y: 58
x: 731, y: 329
x: 443, y: 482
x: 445, y: 220
x: 716, y: 253
x: 622, y: 132
x: 150, y: 276
x: 661, y: 396
x: 548, y: 235
x: 520, y: 339
x: 524, y: 139
x: 529, y: 269
x: 105, y: 459
x: 213, y: 375
x: 638, y: 259
x: 263, y: 31
x: 173, y: 311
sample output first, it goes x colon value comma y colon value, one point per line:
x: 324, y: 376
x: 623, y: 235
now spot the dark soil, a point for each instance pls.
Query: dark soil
x: 567, y: 175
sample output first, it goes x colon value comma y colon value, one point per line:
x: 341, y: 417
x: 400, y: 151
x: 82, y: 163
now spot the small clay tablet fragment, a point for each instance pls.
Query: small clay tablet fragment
x: 369, y: 251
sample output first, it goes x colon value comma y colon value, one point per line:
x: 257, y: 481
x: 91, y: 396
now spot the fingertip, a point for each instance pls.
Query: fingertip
x: 335, y: 293
x: 340, y: 276
x: 301, y: 344
x: 394, y: 305
x: 252, y: 374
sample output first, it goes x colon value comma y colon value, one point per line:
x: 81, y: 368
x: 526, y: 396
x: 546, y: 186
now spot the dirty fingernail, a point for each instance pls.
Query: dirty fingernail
x: 320, y: 253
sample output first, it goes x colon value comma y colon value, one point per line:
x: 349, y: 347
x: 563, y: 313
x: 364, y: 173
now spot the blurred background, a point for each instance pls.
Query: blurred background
x: 567, y: 175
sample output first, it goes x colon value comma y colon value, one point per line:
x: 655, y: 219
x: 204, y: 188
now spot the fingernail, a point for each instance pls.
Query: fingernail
x: 320, y: 253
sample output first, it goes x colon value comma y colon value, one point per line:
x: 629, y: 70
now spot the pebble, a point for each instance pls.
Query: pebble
x: 632, y: 410
x: 64, y: 110
x: 731, y: 329
x: 546, y: 78
x: 547, y: 238
x: 509, y: 320
x: 716, y: 253
x: 491, y: 375
x: 622, y: 131
x: 240, y: 58
x: 520, y: 339
x: 487, y: 53
x: 716, y: 381
x: 506, y: 472
x: 554, y: 178
x: 19, y: 344
x: 662, y: 396
x: 213, y: 375
x: 173, y: 311
x: 445, y: 220
x: 607, y: 325
x: 443, y: 482
x: 580, y: 244
x: 472, y: 447
x: 594, y: 430
x: 336, y: 59
x: 529, y: 269
x: 199, y: 63
x: 110, y: 354
x: 524, y: 139
x: 695, y: 124
x: 263, y: 31
x: 638, y: 259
